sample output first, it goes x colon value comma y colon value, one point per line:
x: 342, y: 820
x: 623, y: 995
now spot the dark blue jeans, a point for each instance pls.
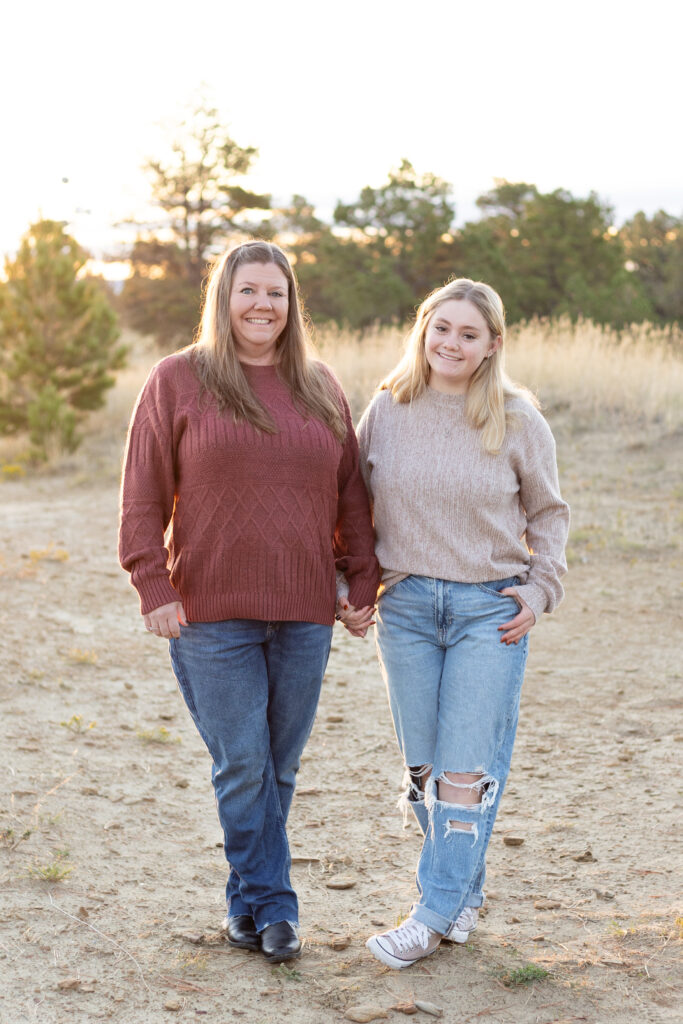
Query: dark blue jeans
x: 252, y: 689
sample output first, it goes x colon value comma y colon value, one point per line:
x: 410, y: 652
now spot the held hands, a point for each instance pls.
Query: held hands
x: 166, y: 621
x: 356, y: 620
x: 521, y: 624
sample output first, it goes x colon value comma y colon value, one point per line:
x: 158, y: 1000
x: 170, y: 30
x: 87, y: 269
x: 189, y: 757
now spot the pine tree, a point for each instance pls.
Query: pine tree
x: 197, y: 191
x: 58, y: 339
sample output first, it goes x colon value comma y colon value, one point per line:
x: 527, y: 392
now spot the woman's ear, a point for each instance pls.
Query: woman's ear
x: 495, y: 345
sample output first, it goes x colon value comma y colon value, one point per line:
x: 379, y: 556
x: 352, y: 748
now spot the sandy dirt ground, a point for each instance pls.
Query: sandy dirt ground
x: 111, y: 866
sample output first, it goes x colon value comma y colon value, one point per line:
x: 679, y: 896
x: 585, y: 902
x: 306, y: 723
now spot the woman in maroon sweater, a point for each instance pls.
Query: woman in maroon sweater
x: 243, y: 444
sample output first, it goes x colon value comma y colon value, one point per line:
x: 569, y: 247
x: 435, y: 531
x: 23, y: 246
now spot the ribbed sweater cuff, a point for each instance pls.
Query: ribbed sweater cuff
x: 362, y: 594
x: 534, y: 597
x: 156, y: 592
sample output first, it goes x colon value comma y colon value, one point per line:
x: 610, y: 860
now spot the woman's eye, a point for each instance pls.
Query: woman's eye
x: 277, y: 295
x: 246, y: 290
x: 440, y: 328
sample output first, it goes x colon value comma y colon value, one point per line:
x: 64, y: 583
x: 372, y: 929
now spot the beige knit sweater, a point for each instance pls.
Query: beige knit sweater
x: 444, y: 507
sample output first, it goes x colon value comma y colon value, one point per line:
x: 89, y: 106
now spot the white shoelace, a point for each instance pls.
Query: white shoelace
x: 410, y: 934
x: 467, y: 920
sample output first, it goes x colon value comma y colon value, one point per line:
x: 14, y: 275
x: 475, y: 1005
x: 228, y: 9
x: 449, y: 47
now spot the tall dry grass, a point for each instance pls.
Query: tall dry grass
x: 601, y: 374
x: 360, y: 359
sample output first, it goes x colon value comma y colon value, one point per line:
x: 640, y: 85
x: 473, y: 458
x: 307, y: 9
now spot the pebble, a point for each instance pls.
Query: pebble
x: 604, y: 894
x: 409, y: 1008
x: 341, y: 882
x: 363, y: 1014
x: 436, y: 1011
x: 68, y: 984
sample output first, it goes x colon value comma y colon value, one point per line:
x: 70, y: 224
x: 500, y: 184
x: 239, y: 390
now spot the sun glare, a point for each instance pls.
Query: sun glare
x: 117, y: 270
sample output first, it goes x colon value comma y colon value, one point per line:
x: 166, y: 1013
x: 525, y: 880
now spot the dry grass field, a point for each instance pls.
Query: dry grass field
x: 111, y: 871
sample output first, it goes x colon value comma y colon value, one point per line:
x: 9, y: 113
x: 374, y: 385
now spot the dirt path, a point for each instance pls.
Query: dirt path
x: 124, y: 806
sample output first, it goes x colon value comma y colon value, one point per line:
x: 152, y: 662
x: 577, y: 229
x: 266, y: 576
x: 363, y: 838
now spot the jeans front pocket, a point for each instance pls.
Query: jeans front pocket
x: 495, y: 586
x: 395, y: 588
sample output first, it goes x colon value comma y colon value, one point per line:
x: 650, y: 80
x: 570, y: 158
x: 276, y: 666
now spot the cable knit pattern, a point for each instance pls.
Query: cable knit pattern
x: 258, y: 520
x: 444, y: 507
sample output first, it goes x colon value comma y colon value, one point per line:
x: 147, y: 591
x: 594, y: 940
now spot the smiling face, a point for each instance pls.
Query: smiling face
x: 457, y: 340
x: 259, y: 304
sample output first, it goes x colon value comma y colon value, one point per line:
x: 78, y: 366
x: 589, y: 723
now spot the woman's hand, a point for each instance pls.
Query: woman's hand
x: 356, y: 620
x: 521, y: 624
x: 167, y: 620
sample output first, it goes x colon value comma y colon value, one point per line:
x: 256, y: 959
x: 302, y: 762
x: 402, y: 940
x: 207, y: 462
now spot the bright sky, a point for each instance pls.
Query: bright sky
x: 582, y: 95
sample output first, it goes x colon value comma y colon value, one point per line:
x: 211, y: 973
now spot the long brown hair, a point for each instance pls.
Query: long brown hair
x: 489, y: 387
x: 217, y: 365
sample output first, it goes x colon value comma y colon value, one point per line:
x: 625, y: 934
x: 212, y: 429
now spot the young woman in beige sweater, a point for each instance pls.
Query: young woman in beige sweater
x: 471, y: 528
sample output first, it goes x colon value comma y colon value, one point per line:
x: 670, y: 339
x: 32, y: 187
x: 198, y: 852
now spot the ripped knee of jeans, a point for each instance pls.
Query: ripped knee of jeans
x: 469, y: 794
x: 415, y: 780
x: 453, y: 827
x: 473, y: 790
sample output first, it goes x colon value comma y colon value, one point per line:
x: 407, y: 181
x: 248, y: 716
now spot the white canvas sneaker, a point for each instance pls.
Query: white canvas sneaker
x: 460, y: 930
x: 404, y: 945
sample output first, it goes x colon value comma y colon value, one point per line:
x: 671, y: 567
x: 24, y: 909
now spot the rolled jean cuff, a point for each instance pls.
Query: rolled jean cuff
x: 435, y: 921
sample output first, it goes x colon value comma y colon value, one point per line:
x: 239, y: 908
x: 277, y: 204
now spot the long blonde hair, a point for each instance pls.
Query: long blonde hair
x: 217, y: 365
x: 489, y: 386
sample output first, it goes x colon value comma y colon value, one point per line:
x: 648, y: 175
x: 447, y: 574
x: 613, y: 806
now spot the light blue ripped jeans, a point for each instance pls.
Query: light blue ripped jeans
x: 454, y: 693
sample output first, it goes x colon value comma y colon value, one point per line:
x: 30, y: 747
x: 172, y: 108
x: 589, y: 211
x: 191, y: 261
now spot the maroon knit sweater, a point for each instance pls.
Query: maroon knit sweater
x: 257, y: 520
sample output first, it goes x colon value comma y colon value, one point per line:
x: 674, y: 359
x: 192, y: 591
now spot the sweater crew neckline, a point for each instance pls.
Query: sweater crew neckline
x: 271, y: 367
x: 443, y: 398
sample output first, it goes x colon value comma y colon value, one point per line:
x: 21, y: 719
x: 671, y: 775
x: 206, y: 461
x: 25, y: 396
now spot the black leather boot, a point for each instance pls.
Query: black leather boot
x: 241, y: 932
x: 280, y: 942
